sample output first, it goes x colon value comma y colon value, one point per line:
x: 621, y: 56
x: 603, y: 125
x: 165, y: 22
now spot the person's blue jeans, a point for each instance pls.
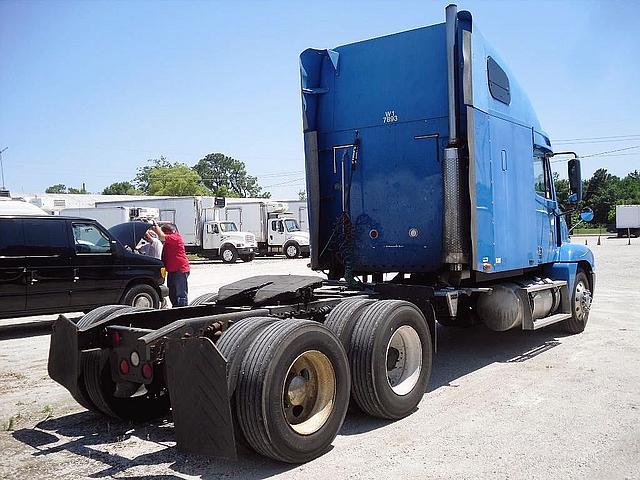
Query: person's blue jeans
x: 178, y: 288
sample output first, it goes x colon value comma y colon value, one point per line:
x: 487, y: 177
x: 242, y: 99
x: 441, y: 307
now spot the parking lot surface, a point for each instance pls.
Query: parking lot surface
x: 513, y: 405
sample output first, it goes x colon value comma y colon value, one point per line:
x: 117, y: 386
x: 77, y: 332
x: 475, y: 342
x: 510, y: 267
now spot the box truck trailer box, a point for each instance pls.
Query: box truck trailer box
x: 431, y: 200
x: 275, y: 227
x: 628, y: 220
x: 198, y: 221
x: 110, y: 216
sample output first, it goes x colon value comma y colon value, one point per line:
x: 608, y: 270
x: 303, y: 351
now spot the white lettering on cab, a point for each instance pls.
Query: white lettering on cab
x: 390, y: 117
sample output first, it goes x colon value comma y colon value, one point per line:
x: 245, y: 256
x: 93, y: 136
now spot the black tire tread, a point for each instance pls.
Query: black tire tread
x: 249, y: 392
x: 98, y: 314
x: 343, y: 318
x: 204, y: 298
x: 361, y: 356
x: 236, y: 340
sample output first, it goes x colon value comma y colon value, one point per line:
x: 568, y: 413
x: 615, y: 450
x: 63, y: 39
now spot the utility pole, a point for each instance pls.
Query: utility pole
x: 1, y: 167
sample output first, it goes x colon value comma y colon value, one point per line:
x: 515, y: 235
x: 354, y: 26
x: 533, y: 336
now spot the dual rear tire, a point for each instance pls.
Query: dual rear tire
x: 390, y: 354
x: 289, y: 382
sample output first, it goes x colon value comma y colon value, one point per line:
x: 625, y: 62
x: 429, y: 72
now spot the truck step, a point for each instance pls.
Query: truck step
x: 543, y: 322
x: 545, y: 286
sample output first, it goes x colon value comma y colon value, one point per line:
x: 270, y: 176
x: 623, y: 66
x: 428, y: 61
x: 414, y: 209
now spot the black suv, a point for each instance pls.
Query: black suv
x: 54, y: 264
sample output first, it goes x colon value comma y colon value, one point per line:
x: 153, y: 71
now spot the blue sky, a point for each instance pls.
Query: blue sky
x: 90, y: 90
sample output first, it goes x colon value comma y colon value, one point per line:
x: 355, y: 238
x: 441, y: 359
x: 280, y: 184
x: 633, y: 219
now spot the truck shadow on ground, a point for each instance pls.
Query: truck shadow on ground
x: 112, y: 445
x: 111, y: 448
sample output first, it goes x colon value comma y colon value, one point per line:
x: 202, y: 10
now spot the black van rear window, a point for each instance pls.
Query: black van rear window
x: 11, y: 237
x: 45, y: 237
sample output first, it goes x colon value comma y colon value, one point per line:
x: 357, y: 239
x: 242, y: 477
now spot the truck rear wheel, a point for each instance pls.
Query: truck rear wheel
x: 580, y: 305
x: 204, y: 298
x: 390, y: 356
x: 145, y: 404
x: 235, y: 341
x: 229, y: 254
x: 293, y: 394
x: 343, y: 318
x: 98, y: 314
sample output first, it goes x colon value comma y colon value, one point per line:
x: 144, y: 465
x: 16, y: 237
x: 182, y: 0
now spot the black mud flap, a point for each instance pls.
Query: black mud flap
x: 63, y: 354
x: 197, y: 382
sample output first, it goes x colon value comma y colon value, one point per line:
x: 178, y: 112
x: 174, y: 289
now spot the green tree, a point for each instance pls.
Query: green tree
x: 226, y: 176
x: 82, y: 190
x: 121, y: 188
x: 600, y: 194
x: 141, y: 180
x: 57, y: 188
x: 175, y: 180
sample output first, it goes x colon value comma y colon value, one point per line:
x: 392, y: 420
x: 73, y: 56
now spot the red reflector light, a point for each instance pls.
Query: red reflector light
x: 115, y: 336
x: 124, y: 367
x: 147, y: 371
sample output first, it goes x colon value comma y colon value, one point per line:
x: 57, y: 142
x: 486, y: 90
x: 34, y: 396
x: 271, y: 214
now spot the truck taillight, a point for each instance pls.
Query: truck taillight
x: 147, y: 371
x: 124, y: 367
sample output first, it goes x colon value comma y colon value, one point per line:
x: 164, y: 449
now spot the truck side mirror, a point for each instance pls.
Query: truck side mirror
x: 575, y: 180
x: 586, y: 215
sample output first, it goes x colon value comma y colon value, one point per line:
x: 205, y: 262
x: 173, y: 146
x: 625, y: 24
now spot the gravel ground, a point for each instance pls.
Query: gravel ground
x: 513, y: 405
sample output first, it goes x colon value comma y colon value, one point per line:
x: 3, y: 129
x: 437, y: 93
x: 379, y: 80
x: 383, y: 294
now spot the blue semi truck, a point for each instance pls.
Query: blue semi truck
x: 430, y: 201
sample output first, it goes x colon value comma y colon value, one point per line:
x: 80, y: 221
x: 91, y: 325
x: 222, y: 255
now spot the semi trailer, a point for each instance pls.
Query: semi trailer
x: 110, y: 216
x: 198, y: 220
x: 275, y: 227
x: 628, y: 220
x: 430, y: 201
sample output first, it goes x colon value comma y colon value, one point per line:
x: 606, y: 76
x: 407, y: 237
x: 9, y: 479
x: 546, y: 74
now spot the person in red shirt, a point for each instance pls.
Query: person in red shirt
x: 176, y: 262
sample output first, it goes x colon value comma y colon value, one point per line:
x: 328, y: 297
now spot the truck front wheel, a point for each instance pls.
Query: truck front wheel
x: 229, y: 254
x: 292, y: 250
x: 580, y: 305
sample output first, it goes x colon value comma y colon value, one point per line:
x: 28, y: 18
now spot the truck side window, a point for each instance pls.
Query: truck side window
x: 45, y: 237
x: 541, y: 182
x: 89, y: 239
x: 11, y: 238
x: 498, y: 82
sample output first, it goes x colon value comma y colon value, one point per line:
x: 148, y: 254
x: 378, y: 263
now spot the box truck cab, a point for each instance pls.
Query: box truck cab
x: 223, y: 239
x: 276, y: 229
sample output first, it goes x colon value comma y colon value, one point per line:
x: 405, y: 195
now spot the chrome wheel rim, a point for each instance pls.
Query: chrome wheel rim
x: 582, y: 301
x: 404, y: 360
x: 292, y: 251
x: 309, y: 392
x: 142, y: 300
x: 227, y: 255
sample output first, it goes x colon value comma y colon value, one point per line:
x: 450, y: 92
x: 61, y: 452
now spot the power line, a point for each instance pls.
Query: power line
x: 609, y: 151
x: 595, y: 138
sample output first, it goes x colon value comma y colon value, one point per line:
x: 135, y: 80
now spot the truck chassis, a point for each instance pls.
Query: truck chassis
x: 269, y: 360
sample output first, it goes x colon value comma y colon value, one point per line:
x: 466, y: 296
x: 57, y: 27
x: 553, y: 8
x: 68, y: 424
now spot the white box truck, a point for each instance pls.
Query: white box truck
x: 628, y: 220
x: 275, y: 227
x: 198, y: 221
x: 110, y: 216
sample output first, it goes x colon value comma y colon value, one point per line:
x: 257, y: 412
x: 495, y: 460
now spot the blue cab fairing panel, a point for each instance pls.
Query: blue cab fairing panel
x: 388, y: 96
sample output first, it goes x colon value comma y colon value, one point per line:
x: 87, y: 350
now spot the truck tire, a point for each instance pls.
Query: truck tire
x: 141, y: 295
x: 391, y: 357
x: 235, y: 341
x: 96, y: 372
x: 248, y: 258
x: 304, y: 360
x: 343, y: 318
x: 229, y: 254
x: 204, y: 298
x: 98, y: 314
x: 580, y: 305
x: 291, y: 250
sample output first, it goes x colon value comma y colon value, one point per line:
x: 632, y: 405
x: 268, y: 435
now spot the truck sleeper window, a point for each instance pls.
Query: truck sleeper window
x: 498, y: 82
